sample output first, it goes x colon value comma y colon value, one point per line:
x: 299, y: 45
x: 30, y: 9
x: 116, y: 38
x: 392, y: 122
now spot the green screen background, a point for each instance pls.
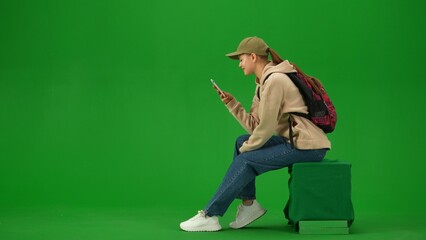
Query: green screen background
x: 109, y: 104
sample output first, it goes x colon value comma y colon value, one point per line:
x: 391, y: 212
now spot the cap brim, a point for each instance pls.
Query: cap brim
x: 234, y: 55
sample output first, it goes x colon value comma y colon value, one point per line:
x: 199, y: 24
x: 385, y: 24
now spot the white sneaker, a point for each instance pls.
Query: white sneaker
x: 201, y: 223
x: 247, y: 214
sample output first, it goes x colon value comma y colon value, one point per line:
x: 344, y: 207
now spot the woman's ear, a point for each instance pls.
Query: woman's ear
x: 253, y: 57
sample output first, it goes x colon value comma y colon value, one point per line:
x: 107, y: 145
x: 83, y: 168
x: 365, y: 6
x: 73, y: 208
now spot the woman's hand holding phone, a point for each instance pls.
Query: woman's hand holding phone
x: 224, y: 96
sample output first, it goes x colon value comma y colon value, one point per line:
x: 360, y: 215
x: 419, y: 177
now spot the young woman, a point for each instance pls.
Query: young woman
x: 267, y: 146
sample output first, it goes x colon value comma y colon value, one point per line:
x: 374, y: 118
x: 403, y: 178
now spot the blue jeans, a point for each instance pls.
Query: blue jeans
x: 239, y: 181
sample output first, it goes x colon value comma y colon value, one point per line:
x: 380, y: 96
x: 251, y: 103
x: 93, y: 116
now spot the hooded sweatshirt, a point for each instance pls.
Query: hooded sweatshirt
x: 274, y: 99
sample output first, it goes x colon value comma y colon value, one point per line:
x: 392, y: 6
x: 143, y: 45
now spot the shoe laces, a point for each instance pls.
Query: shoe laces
x: 239, y: 209
x: 201, y: 213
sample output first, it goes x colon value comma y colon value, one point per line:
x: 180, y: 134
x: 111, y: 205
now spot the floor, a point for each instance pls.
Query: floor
x: 155, y: 223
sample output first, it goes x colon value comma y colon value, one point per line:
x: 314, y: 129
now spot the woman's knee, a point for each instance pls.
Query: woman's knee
x: 241, y: 139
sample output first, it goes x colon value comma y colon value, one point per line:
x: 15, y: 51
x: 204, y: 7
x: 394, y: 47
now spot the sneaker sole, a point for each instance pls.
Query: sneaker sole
x: 201, y: 230
x: 245, y: 224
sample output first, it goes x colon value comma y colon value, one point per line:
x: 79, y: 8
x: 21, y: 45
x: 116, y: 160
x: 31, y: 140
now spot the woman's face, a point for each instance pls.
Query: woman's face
x: 247, y: 64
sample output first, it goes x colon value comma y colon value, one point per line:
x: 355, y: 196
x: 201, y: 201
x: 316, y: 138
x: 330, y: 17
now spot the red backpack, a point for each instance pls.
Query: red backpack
x: 321, y: 110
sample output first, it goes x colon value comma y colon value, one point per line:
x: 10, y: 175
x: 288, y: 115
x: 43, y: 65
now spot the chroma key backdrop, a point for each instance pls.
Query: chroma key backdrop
x: 110, y: 127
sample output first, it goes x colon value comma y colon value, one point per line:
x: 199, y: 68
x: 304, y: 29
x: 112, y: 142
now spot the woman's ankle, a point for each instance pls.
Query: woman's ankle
x: 248, y: 202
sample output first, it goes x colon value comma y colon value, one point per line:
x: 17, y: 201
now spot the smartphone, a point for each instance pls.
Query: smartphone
x: 217, y: 87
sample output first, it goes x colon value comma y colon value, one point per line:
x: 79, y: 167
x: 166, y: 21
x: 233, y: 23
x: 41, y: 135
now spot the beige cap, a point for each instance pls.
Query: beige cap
x: 250, y: 45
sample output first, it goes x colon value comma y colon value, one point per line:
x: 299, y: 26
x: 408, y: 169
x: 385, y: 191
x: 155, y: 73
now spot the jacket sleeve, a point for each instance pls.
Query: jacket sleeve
x: 269, y: 111
x: 248, y: 121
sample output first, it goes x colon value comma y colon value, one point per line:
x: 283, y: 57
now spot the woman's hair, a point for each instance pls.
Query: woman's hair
x: 276, y: 58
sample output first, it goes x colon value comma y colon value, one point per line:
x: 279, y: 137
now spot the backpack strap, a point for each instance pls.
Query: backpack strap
x: 290, y: 124
x: 304, y: 115
x: 295, y: 80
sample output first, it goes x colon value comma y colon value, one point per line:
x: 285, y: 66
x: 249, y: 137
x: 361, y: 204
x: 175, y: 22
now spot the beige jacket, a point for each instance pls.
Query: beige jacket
x: 268, y: 115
